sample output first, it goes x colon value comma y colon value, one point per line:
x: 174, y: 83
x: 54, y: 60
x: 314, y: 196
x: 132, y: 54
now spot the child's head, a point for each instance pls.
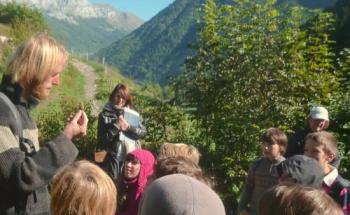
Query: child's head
x: 179, y: 194
x: 83, y: 188
x: 179, y: 165
x: 274, y: 143
x: 300, y: 169
x: 296, y: 199
x: 321, y: 146
x: 179, y: 150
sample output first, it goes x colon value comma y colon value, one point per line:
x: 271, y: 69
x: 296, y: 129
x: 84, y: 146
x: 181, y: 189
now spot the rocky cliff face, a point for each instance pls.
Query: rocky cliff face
x: 71, y: 10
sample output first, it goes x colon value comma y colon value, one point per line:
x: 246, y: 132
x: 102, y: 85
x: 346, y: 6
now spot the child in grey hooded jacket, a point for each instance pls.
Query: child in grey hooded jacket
x: 179, y: 194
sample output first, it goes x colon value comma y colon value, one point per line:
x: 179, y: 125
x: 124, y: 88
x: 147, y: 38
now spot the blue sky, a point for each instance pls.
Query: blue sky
x: 145, y: 9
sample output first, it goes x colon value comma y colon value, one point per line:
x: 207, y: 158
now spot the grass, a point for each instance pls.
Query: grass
x: 4, y: 29
x: 5, y: 49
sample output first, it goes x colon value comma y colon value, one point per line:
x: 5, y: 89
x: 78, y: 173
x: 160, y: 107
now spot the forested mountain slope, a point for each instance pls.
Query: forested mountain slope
x: 157, y: 50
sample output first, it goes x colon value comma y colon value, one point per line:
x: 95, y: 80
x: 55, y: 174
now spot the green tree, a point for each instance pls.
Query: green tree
x: 255, y: 67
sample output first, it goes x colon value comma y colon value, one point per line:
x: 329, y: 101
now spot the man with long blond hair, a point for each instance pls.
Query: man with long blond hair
x: 83, y: 188
x: 25, y: 167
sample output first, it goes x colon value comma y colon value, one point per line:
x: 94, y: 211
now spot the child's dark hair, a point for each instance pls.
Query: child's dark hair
x: 275, y: 136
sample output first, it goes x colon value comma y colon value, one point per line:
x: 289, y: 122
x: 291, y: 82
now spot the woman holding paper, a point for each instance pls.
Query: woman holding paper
x: 118, y: 131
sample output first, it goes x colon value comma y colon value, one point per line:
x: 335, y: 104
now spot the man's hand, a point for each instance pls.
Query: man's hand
x: 76, y: 127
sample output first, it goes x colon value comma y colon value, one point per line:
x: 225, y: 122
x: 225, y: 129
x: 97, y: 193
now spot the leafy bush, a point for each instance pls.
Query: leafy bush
x: 166, y: 123
x: 52, y: 120
x: 340, y: 112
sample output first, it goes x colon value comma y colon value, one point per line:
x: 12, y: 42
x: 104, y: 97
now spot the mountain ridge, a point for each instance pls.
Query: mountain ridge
x: 69, y: 10
x: 83, y: 26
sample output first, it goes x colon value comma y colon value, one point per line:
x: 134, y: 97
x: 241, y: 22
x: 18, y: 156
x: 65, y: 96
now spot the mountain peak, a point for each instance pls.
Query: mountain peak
x: 71, y: 10
x: 82, y: 26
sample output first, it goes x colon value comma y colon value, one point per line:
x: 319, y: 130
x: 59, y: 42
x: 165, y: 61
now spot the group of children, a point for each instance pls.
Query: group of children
x: 173, y: 183
x: 310, y: 170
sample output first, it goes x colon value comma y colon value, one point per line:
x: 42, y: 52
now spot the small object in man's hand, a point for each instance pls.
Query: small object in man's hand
x: 81, y: 106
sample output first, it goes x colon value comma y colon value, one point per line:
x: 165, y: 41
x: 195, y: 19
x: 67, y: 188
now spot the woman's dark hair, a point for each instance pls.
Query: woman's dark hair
x: 122, y: 91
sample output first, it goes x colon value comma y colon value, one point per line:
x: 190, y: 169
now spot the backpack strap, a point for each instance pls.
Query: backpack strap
x: 26, y: 145
x: 14, y: 112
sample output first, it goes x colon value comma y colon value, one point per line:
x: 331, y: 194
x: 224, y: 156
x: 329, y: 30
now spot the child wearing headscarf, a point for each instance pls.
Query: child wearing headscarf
x: 138, y: 168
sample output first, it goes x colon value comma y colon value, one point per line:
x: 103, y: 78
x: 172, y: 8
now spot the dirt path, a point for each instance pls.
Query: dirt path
x: 90, y: 85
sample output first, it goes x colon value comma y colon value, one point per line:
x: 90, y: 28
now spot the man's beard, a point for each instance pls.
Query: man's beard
x: 40, y: 94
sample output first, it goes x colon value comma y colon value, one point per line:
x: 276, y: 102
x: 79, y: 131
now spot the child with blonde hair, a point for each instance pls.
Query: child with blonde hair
x: 179, y: 150
x: 180, y: 165
x: 322, y: 146
x: 83, y: 188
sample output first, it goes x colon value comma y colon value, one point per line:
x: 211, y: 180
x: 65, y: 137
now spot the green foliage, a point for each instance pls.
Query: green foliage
x: 51, y: 121
x: 23, y: 20
x: 255, y: 67
x: 339, y: 108
x: 5, y: 51
x: 106, y: 85
x: 166, y: 123
x: 18, y: 23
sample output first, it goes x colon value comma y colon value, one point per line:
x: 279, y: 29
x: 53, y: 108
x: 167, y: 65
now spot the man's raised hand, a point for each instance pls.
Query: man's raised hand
x: 77, y: 127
